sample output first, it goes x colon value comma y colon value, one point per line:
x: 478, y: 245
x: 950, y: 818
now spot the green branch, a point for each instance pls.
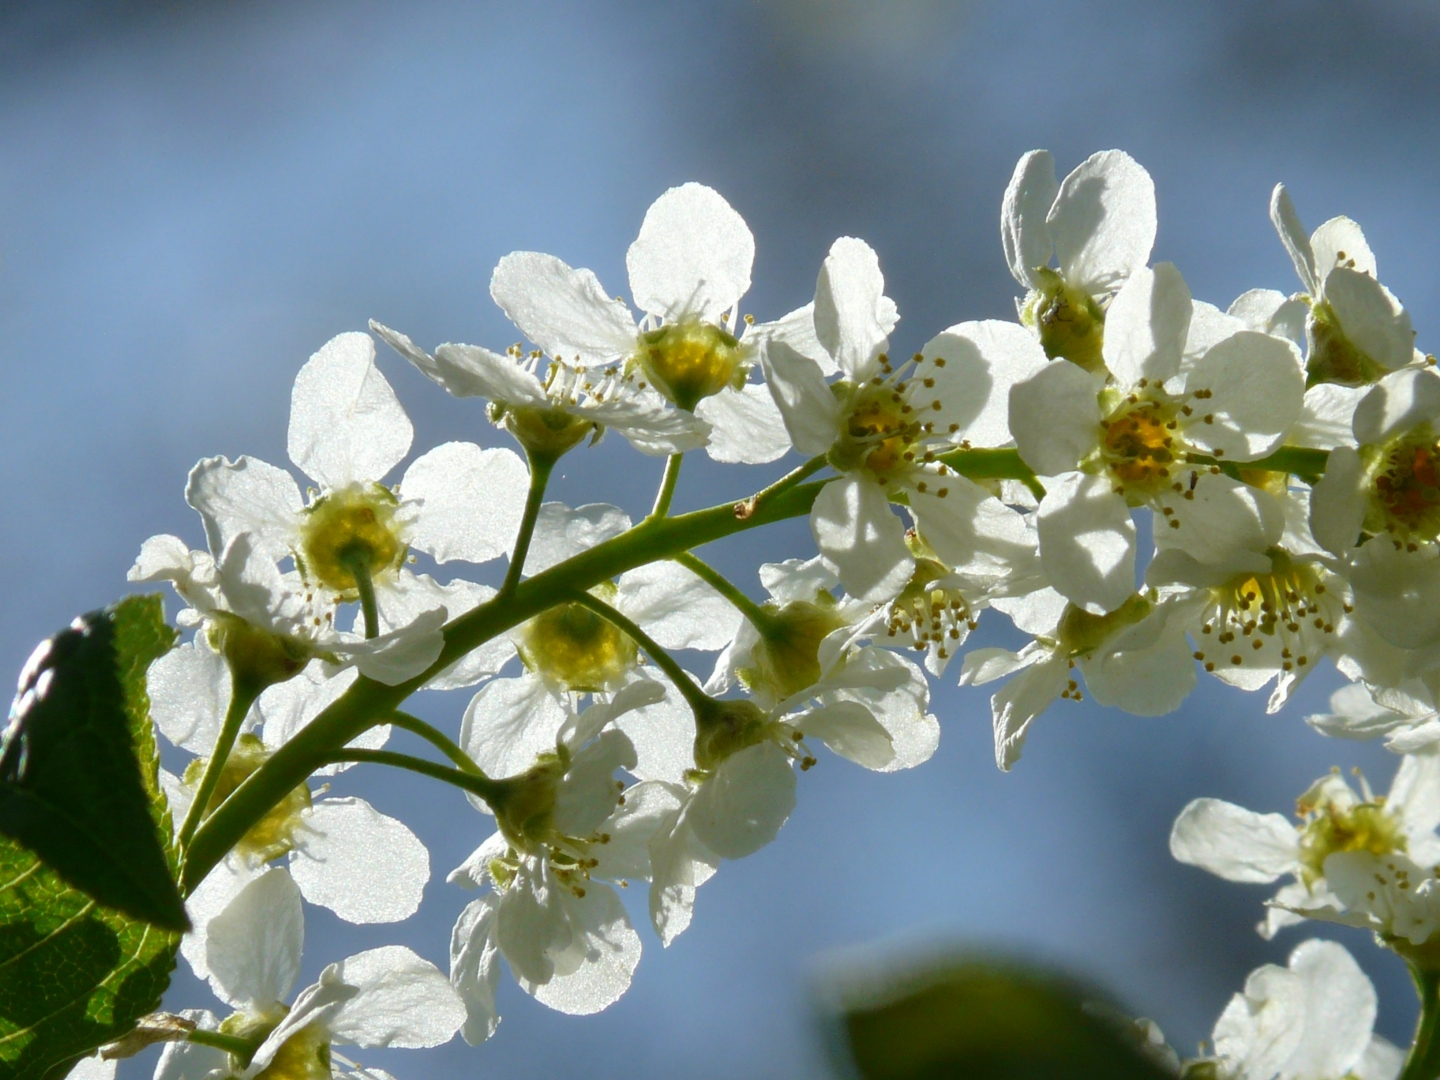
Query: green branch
x: 474, y: 783
x: 437, y: 739
x: 667, y: 486
x: 540, y: 468
x: 698, y: 699
x: 759, y: 618
x: 1423, y: 1061
x: 242, y: 696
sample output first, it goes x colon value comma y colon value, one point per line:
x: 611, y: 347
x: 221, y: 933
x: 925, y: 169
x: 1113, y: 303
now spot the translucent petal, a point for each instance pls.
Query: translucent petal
x: 475, y: 967
x: 596, y: 969
x: 1087, y: 542
x: 1234, y: 843
x: 508, y: 723
x: 851, y: 730
x: 861, y: 538
x: 1339, y: 242
x: 562, y: 532
x: 1338, y: 502
x: 1146, y: 326
x: 470, y: 371
x: 982, y: 361
x: 1016, y: 705
x: 471, y: 501
x: 346, y: 424
x: 1055, y: 417
x: 189, y: 694
x: 692, y: 257
x: 676, y: 608
x: 361, y: 864
x: 245, y: 496
x: 1371, y: 317
x: 742, y: 806
x: 853, y: 316
x: 564, y: 311
x: 1256, y: 387
x: 1023, y: 231
x: 1295, y: 239
x: 1226, y: 523
x: 402, y: 1001
x: 809, y: 410
x: 253, y: 947
x: 1260, y: 1029
x: 1398, y: 402
x: 1340, y: 1007
x: 746, y: 427
x: 1103, y: 221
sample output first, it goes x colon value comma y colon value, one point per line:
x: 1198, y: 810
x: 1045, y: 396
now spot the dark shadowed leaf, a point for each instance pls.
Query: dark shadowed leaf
x: 982, y: 1020
x: 75, y: 974
x: 77, y: 765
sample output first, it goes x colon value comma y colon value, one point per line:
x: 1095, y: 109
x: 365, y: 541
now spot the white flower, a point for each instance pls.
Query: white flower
x: 883, y: 426
x: 1135, y: 657
x: 365, y: 866
x: 566, y: 832
x: 347, y: 430
x: 551, y: 413
x: 1312, y: 1020
x: 1335, y: 823
x: 378, y: 998
x: 1377, y: 508
x: 1128, y: 442
x: 689, y: 267
x: 1099, y: 225
x: 1266, y: 606
x: 1356, y: 329
x: 1407, y: 716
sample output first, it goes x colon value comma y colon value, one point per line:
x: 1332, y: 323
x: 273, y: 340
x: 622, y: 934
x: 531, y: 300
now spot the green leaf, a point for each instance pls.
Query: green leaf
x: 984, y: 1021
x: 78, y: 768
x: 75, y: 974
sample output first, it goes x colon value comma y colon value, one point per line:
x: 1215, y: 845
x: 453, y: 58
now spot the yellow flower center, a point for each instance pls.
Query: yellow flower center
x: 688, y: 361
x: 354, y: 527
x: 1137, y: 444
x: 930, y: 616
x: 1405, y: 490
x: 274, y: 834
x: 1331, y: 826
x: 1248, y: 619
x: 573, y: 646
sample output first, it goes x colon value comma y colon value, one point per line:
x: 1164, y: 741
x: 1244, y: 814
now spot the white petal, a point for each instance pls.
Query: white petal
x: 562, y: 532
x: 1339, y: 242
x: 1397, y: 403
x: 1327, y: 417
x: 1103, y: 221
x: 1398, y: 592
x: 1036, y: 612
x: 287, y: 707
x: 810, y: 411
x: 663, y: 735
x: 982, y: 361
x: 795, y: 579
x: 646, y: 806
x: 183, y: 1060
x: 746, y: 427
x: 1055, y: 417
x: 861, y: 538
x: 1014, y: 708
x: 471, y: 501
x: 692, y: 257
x: 1225, y: 524
x: 563, y: 311
x: 853, y: 316
x: 1415, y: 793
x: 1338, y: 502
x: 189, y: 694
x: 400, y: 655
x: 402, y: 1001
x: 1260, y: 1029
x: 1023, y: 232
x: 1208, y: 327
x: 245, y: 496
x: 530, y: 925
x: 470, y: 371
x: 1372, y: 318
x: 596, y: 970
x: 796, y: 329
x: 421, y: 593
x: 1355, y: 714
x: 900, y: 707
x: 1295, y: 239
x: 97, y: 1068
x: 509, y: 722
x: 852, y: 731
x: 1272, y: 312
x: 969, y: 527
x: 1256, y: 387
x: 1339, y: 1010
x: 475, y: 967
x: 676, y: 608
x: 742, y: 806
x: 1234, y: 843
x: 647, y: 422
x: 1146, y: 326
x: 589, y: 792
x: 1382, y: 1060
x: 362, y: 865
x: 346, y: 423
x: 679, y: 865
x: 211, y: 897
x: 1087, y: 542
x: 1147, y: 669
x: 253, y: 947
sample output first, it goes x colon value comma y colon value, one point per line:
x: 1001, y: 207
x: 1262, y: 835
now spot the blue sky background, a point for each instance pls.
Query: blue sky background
x: 194, y: 197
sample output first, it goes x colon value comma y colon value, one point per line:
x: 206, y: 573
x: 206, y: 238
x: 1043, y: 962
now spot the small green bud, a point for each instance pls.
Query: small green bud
x: 1081, y: 633
x: 1070, y: 323
x: 524, y: 805
x: 257, y: 658
x: 726, y: 728
x: 786, y: 659
x: 689, y: 361
x: 546, y: 434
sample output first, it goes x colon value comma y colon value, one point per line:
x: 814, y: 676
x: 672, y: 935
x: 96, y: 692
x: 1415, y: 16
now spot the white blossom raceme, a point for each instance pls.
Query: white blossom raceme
x: 1336, y: 825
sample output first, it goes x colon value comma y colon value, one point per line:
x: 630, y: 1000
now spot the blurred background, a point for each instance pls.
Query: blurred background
x: 194, y: 197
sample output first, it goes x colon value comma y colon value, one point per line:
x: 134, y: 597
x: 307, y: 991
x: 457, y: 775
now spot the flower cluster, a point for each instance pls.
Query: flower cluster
x: 1286, y: 450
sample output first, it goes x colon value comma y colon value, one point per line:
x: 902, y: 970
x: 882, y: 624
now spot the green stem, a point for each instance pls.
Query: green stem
x: 987, y: 464
x: 367, y: 702
x: 241, y: 1049
x: 242, y: 696
x: 698, y: 699
x: 365, y: 586
x: 785, y: 483
x: 540, y: 468
x: 474, y: 783
x: 1423, y: 1062
x: 759, y: 618
x: 437, y: 739
x: 667, y: 486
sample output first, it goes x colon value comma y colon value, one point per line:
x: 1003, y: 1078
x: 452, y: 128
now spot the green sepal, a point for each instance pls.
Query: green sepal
x: 78, y: 765
x: 984, y: 1020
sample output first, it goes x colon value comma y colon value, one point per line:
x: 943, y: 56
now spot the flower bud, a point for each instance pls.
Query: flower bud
x: 546, y: 434
x: 786, y: 659
x: 1070, y: 324
x: 576, y: 648
x: 355, y: 527
x: 726, y: 728
x: 689, y: 361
